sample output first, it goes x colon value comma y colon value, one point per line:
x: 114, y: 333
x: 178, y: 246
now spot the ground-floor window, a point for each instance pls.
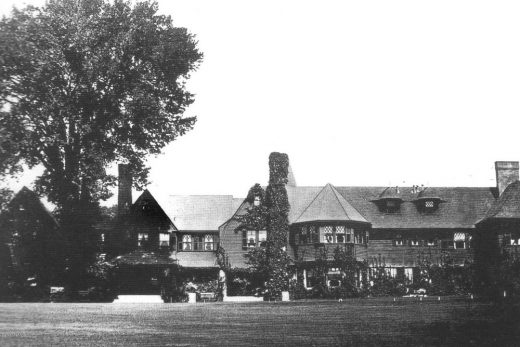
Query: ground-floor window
x: 164, y: 240
x: 142, y: 239
x: 408, y: 273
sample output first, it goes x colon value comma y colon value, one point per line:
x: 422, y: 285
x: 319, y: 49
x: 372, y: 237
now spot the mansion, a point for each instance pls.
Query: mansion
x: 390, y: 228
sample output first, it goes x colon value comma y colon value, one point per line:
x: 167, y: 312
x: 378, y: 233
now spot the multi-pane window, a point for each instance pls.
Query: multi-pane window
x: 429, y: 204
x: 398, y: 241
x: 459, y: 240
x: 414, y: 243
x: 257, y: 201
x: 340, y: 234
x: 253, y: 238
x: 208, y: 243
x: 349, y: 235
x: 164, y: 240
x: 430, y: 243
x: 249, y: 239
x: 142, y: 239
x: 186, y: 243
x: 326, y: 234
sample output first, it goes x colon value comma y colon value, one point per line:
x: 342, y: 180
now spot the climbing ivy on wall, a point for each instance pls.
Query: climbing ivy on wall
x: 277, y: 204
x: 271, y: 214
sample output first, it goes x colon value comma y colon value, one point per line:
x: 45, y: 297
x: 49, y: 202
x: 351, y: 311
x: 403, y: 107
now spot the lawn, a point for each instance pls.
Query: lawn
x: 351, y: 322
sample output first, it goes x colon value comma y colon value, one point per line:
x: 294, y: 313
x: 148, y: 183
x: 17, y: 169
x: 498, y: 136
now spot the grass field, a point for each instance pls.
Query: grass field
x: 351, y: 322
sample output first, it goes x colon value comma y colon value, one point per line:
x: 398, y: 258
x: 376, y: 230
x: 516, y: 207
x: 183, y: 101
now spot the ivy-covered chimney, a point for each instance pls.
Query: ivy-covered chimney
x: 124, y: 193
x: 507, y: 173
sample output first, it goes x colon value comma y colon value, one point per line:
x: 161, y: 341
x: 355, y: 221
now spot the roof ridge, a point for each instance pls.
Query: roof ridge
x: 335, y: 192
x: 312, y: 201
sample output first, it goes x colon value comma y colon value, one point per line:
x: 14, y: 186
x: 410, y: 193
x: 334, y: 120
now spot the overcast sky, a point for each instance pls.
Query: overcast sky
x: 356, y: 93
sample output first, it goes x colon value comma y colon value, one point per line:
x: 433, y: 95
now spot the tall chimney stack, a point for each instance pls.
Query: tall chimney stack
x: 124, y: 193
x: 507, y: 173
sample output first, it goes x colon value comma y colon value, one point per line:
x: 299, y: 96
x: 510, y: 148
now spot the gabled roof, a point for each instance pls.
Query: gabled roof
x: 31, y: 200
x: 508, y: 204
x: 462, y: 209
x: 329, y: 205
x: 197, y: 212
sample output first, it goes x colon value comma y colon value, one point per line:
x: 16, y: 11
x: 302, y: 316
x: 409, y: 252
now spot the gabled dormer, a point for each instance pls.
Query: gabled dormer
x: 389, y: 201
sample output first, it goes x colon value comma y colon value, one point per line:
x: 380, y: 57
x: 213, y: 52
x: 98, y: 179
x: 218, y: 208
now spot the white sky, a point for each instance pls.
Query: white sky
x: 356, y: 93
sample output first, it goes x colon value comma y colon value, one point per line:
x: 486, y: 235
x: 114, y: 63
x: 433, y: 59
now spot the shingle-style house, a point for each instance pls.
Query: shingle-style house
x: 392, y: 227
x: 30, y: 242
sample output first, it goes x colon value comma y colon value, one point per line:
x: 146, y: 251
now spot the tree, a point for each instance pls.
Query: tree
x: 86, y: 83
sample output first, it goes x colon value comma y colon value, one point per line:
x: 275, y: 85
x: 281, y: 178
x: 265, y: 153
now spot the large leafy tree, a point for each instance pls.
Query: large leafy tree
x: 85, y: 83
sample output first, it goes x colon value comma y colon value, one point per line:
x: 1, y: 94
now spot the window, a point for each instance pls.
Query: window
x: 262, y: 238
x: 208, y: 243
x: 430, y: 243
x: 326, y: 234
x: 511, y: 240
x: 408, y: 273
x: 391, y: 206
x: 414, y: 243
x: 350, y: 235
x: 164, y: 240
x: 310, y: 279
x: 391, y: 271
x: 142, y: 239
x: 303, y: 235
x: 102, y: 237
x: 399, y: 242
x: 429, y: 204
x: 257, y: 201
x: 459, y: 240
x: 340, y: 234
x: 314, y: 234
x: 186, y: 243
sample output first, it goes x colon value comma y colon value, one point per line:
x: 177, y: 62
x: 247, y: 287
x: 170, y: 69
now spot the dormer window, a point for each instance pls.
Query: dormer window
x: 429, y: 204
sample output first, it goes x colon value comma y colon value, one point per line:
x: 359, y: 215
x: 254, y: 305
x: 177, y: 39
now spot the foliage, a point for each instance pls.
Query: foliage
x: 272, y: 262
x: 256, y: 216
x: 277, y: 204
x: 100, y: 282
x: 85, y: 84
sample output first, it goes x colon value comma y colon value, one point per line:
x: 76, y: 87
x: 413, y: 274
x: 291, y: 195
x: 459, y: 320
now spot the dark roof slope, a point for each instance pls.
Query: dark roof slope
x: 30, y: 200
x: 462, y: 208
x: 508, y: 204
x: 329, y: 205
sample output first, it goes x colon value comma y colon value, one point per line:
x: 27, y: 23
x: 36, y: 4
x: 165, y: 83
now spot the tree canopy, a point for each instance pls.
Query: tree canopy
x: 84, y: 83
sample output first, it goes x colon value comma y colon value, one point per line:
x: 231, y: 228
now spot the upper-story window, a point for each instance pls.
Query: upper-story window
x: 253, y: 238
x: 308, y: 234
x: 429, y: 204
x: 461, y: 240
x: 334, y: 234
x: 391, y: 206
x: 198, y: 242
x: 186, y: 243
x: 164, y: 240
x: 257, y: 201
x: 414, y: 243
x: 142, y: 239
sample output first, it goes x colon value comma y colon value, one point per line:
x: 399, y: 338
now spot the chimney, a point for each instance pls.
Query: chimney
x: 507, y: 173
x: 124, y: 193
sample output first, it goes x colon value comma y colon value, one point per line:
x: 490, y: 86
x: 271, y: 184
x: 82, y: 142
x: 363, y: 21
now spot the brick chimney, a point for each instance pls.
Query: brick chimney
x: 507, y: 173
x: 124, y: 193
